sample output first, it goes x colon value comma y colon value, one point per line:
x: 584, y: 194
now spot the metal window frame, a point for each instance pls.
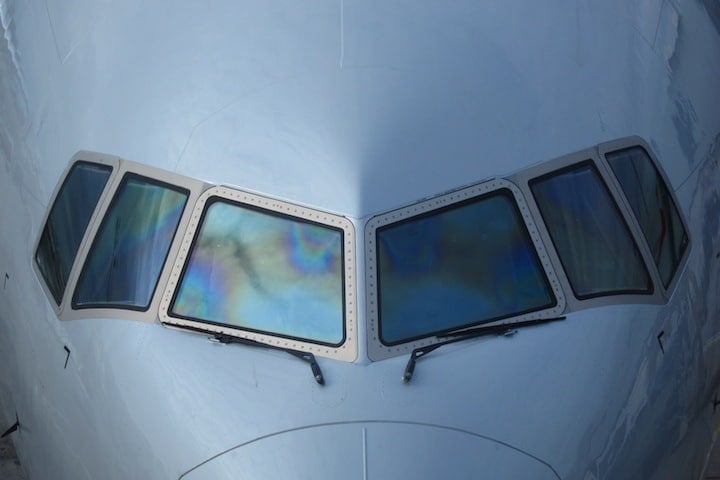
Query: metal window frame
x: 123, y: 181
x: 79, y: 157
x: 524, y: 177
x: 346, y: 351
x: 590, y: 166
x: 123, y: 167
x: 635, y: 142
x: 379, y: 351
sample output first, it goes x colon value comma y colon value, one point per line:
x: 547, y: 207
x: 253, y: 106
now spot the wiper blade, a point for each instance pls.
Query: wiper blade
x: 464, y: 334
x: 304, y: 356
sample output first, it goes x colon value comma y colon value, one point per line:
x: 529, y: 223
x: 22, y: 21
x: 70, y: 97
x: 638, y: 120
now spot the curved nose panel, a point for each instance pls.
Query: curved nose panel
x: 372, y: 451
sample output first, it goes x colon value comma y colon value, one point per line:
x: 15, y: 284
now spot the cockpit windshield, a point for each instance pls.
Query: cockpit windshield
x: 466, y: 264
x: 263, y: 271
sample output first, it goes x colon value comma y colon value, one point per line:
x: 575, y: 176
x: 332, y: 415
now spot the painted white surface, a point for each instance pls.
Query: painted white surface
x: 356, y: 107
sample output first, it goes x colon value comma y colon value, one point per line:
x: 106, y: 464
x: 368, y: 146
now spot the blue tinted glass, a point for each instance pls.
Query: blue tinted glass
x: 469, y: 264
x: 66, y: 224
x: 124, y: 264
x: 591, y: 238
x: 653, y: 207
x: 265, y: 272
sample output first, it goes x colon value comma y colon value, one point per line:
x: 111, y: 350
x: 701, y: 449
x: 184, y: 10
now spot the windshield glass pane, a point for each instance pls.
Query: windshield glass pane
x: 262, y: 271
x: 589, y: 233
x: 467, y: 264
x: 653, y: 207
x: 66, y: 224
x: 125, y: 261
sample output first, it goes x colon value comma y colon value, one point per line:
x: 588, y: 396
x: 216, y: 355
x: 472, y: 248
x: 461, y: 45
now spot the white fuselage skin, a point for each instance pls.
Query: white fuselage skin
x: 356, y: 108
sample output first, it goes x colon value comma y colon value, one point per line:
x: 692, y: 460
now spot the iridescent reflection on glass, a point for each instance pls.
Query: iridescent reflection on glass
x: 466, y: 265
x: 66, y: 224
x: 124, y: 264
x: 265, y: 272
x: 591, y: 238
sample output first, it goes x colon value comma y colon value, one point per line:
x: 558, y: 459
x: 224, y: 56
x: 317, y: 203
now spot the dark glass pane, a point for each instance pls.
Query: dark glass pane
x: 653, y: 206
x: 67, y: 222
x: 124, y: 264
x: 590, y: 235
x: 468, y: 264
x: 264, y: 272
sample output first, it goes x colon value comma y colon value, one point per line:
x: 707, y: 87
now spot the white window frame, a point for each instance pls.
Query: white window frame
x: 347, y: 351
x: 524, y: 177
x: 379, y: 351
x: 64, y: 311
x: 79, y: 157
x: 635, y: 141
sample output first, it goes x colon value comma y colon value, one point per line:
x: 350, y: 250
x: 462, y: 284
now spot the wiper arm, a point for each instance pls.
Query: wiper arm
x: 464, y: 334
x: 304, y: 356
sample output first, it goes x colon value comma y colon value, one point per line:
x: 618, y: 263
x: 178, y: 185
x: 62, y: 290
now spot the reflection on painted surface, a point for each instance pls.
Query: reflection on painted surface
x: 265, y: 272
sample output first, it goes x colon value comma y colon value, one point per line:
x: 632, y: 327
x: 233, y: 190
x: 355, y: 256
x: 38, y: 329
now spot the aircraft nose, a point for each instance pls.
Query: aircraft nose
x: 373, y: 451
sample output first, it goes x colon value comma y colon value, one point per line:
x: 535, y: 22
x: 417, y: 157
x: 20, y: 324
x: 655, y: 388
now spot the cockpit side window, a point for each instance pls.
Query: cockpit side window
x: 593, y: 241
x: 263, y: 271
x: 650, y: 200
x: 125, y: 261
x: 66, y: 224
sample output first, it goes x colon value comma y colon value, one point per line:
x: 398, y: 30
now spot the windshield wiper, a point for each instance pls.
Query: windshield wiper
x: 304, y: 356
x: 464, y: 334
